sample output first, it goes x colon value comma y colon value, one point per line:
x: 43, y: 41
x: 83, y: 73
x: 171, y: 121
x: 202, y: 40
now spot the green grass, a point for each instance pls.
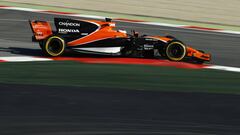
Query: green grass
x: 138, y: 77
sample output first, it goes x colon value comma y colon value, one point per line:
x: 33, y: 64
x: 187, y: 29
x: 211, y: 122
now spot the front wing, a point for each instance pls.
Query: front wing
x: 198, y: 54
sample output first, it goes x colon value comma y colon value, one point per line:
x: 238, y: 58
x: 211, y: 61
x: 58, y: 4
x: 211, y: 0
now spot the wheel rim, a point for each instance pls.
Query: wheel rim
x: 55, y: 46
x: 176, y: 51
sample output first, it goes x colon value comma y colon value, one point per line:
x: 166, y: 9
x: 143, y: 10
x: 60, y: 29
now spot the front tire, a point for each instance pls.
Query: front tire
x: 54, y: 46
x: 175, y: 51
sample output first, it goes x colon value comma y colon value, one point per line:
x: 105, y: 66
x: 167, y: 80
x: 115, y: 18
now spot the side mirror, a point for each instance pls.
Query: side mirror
x: 108, y: 19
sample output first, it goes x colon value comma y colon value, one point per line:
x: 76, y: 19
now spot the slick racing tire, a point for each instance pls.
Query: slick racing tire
x: 54, y: 46
x: 175, y: 51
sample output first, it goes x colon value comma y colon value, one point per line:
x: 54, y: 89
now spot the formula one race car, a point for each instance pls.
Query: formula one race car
x: 99, y: 37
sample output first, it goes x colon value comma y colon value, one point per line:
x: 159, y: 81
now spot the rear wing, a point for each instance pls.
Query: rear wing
x: 41, y: 30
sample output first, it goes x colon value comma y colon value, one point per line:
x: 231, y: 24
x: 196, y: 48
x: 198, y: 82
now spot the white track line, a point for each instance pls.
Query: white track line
x: 23, y: 9
x: 230, y: 32
x: 88, y: 16
x: 223, y: 68
x: 161, y: 24
x: 23, y: 59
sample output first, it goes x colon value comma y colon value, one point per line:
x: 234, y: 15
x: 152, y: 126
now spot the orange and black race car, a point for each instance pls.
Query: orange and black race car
x: 100, y: 37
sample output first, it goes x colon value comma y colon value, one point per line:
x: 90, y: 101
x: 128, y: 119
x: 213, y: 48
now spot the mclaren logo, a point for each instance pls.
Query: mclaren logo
x: 68, y: 31
x: 69, y: 24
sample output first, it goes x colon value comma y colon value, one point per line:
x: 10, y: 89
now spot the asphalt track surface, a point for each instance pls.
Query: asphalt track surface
x: 45, y: 110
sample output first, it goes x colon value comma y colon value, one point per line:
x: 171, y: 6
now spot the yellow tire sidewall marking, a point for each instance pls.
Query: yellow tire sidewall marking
x: 47, y: 44
x: 176, y: 59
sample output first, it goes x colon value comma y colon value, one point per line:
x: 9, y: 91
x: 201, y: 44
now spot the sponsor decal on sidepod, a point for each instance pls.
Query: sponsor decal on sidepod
x: 69, y: 24
x: 68, y: 31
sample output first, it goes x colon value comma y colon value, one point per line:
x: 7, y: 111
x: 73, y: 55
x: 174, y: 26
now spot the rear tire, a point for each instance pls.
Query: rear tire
x: 54, y: 46
x: 175, y: 51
